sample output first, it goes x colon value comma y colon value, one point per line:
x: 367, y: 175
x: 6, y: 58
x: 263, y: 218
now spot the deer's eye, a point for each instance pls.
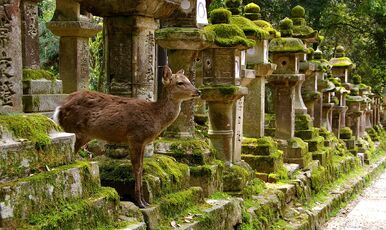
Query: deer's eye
x: 180, y: 83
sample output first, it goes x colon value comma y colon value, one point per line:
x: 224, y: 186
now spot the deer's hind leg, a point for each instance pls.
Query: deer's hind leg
x: 136, y: 156
x: 79, y: 142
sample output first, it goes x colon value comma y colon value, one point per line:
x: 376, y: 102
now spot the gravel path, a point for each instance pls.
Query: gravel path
x: 367, y: 212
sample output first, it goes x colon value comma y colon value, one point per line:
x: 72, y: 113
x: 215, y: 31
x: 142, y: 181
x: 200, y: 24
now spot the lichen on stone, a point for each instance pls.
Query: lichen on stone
x: 37, y: 74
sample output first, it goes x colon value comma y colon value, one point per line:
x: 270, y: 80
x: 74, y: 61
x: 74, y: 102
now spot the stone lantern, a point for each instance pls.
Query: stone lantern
x: 286, y: 52
x: 308, y: 36
x: 257, y: 58
x: 354, y: 113
x: 341, y: 67
x: 327, y: 88
x: 221, y: 78
x: 184, y: 41
x: 312, y: 91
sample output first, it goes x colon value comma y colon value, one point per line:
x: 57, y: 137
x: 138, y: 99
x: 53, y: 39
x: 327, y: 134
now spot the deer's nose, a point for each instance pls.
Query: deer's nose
x: 198, y: 93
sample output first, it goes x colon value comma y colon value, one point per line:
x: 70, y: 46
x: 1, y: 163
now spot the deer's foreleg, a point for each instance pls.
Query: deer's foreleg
x: 136, y: 156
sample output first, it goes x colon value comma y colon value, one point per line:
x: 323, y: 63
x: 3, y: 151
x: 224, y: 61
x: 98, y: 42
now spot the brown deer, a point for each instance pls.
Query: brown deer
x: 137, y: 122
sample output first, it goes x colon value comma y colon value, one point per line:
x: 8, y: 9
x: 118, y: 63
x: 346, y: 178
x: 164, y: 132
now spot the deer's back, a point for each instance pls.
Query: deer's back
x: 111, y: 118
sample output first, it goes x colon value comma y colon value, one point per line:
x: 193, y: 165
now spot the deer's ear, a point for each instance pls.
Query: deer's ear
x: 181, y: 71
x: 167, y: 75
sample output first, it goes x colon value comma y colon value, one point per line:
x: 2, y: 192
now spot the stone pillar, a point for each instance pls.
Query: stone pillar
x: 183, y: 126
x: 130, y: 56
x: 74, y: 32
x: 353, y: 114
x: 283, y: 87
x: 10, y: 57
x: 254, y: 112
x: 220, y: 92
x: 30, y: 33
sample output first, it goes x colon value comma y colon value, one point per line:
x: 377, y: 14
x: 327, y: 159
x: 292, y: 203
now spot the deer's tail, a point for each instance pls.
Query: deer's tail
x: 56, y: 116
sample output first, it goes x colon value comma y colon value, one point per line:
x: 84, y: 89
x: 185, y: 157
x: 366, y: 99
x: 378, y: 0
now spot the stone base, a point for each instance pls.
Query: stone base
x: 42, y: 102
x: 42, y: 87
x: 188, y: 151
x: 236, y: 177
x: 297, y: 152
x: 21, y: 158
x: 264, y: 164
x: 208, y: 177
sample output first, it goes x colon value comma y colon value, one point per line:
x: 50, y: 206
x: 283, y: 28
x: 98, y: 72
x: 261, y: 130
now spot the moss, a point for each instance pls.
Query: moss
x: 233, y: 6
x: 298, y: 12
x: 296, y: 142
x: 173, y: 204
x: 183, y: 33
x: 254, y: 188
x: 252, y: 8
x: 202, y: 171
x: 211, y: 91
x: 219, y: 196
x: 229, y: 35
x: 37, y: 74
x: 341, y: 62
x: 80, y: 214
x: 345, y: 133
x: 220, y: 15
x: 356, y: 79
x: 282, y: 45
x: 267, y: 27
x: 34, y: 128
x: 235, y: 178
x: 303, y: 121
x: 249, y: 28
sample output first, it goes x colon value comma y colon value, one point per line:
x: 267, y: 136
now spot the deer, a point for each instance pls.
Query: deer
x: 121, y: 120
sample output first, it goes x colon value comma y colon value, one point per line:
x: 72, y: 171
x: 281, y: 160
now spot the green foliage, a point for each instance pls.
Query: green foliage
x: 97, y: 72
x: 49, y: 43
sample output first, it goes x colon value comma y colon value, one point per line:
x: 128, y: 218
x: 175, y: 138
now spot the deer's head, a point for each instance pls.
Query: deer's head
x: 178, y: 85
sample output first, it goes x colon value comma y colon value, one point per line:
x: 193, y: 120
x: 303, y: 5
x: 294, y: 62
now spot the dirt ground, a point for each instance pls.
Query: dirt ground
x: 367, y: 212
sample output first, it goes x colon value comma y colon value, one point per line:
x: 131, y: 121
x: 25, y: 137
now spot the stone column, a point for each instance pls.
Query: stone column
x: 183, y: 126
x: 30, y: 33
x: 130, y: 56
x: 10, y: 57
x: 283, y: 87
x: 254, y: 111
x: 74, y: 32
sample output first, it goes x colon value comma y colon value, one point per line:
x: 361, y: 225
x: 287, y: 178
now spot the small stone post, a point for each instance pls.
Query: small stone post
x: 74, y: 31
x: 10, y: 57
x: 30, y: 33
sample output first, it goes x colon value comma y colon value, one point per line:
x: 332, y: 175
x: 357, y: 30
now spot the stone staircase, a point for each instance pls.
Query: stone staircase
x: 42, y: 186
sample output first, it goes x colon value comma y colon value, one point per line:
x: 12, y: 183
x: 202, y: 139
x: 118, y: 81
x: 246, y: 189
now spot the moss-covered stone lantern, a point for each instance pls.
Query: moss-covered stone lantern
x: 286, y: 52
x: 257, y: 58
x: 312, y: 90
x: 221, y: 77
x: 328, y: 88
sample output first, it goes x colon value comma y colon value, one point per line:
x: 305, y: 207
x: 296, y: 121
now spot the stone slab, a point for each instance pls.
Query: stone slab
x: 19, y: 159
x: 39, y: 193
x: 42, y: 86
x: 42, y: 102
x: 264, y: 164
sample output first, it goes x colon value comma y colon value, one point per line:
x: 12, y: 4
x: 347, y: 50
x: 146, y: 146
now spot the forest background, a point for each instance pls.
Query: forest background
x: 358, y: 25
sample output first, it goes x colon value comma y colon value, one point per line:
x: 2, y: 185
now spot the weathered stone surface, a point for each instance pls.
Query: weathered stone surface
x: 42, y: 102
x: 152, y: 217
x: 38, y: 193
x: 265, y: 164
x: 11, y: 49
x: 18, y: 159
x: 30, y: 34
x: 208, y: 177
x: 42, y: 87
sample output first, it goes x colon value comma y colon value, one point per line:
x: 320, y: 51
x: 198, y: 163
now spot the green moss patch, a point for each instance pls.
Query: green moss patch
x: 235, y: 178
x: 341, y: 62
x: 290, y: 45
x: 37, y: 74
x: 249, y: 28
x: 229, y: 35
x: 34, y: 128
x: 345, y: 133
x: 303, y: 121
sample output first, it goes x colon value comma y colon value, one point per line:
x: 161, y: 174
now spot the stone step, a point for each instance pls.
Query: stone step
x: 95, y: 212
x: 170, y: 206
x: 162, y: 175
x: 42, y: 102
x: 130, y: 217
x: 29, y: 196
x: 189, y: 151
x: 20, y: 158
x: 264, y: 164
x: 315, y: 144
x: 208, y: 177
x: 42, y: 86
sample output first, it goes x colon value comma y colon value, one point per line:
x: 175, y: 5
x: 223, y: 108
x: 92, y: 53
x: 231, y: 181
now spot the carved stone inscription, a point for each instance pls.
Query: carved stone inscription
x: 10, y: 63
x: 30, y: 33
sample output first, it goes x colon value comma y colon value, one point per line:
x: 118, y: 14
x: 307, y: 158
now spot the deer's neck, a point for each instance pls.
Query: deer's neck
x: 167, y: 109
